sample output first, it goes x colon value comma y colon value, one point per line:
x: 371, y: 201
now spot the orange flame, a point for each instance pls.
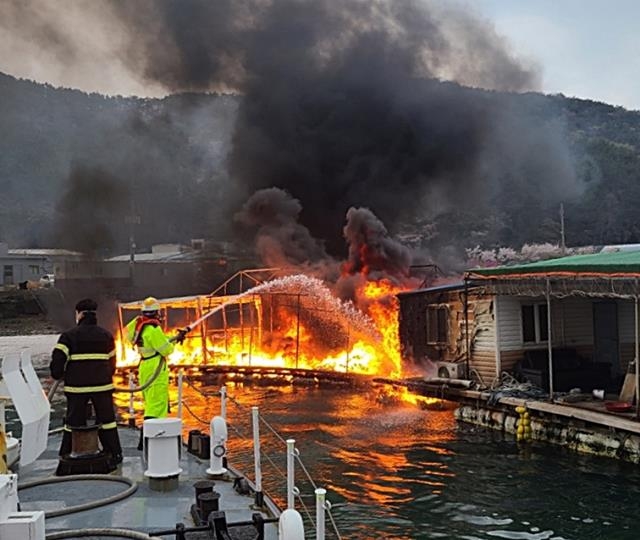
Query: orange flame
x: 293, y: 345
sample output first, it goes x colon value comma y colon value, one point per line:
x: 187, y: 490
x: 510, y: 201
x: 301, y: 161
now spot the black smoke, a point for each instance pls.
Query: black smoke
x: 344, y: 105
x: 358, y: 103
x: 371, y: 250
x: 281, y: 241
x: 91, y: 208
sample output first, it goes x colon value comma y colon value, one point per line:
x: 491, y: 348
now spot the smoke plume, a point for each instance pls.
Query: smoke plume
x: 343, y: 103
x: 92, y: 202
x: 280, y: 240
x: 371, y: 251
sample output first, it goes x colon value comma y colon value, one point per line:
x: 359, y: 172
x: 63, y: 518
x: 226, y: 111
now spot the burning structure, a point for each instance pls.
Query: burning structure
x: 258, y: 319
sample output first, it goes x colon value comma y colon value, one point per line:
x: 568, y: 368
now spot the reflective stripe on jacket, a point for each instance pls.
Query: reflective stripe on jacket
x: 85, y: 357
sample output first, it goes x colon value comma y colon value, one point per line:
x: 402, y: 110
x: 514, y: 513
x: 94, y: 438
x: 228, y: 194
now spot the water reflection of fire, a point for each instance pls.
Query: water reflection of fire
x: 275, y: 333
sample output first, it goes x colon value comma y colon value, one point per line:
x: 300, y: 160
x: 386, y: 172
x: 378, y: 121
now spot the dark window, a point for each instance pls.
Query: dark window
x: 528, y: 324
x: 437, y: 324
x: 542, y: 318
x: 8, y: 274
x: 534, y: 323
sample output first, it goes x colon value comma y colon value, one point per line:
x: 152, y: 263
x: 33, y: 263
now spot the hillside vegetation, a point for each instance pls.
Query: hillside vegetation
x: 83, y: 170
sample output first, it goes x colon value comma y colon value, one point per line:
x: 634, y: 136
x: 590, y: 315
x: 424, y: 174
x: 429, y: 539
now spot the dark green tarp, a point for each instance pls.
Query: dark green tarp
x: 615, y: 263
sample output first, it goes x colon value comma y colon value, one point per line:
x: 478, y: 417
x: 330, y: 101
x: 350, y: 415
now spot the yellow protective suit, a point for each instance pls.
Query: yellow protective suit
x: 154, y: 346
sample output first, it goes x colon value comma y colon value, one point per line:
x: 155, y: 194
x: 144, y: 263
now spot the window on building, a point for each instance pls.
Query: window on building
x: 7, y: 274
x: 437, y: 324
x: 534, y: 323
x: 34, y: 269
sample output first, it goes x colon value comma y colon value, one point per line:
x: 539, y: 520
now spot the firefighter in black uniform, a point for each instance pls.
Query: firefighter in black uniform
x: 85, y: 357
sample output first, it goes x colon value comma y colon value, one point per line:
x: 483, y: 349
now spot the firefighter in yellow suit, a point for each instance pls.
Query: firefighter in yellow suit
x: 146, y: 334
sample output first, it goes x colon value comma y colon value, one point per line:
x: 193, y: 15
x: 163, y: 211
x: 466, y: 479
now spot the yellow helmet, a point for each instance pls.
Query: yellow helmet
x: 150, y: 304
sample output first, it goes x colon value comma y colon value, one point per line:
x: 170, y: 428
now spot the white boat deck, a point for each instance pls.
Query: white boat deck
x: 145, y: 510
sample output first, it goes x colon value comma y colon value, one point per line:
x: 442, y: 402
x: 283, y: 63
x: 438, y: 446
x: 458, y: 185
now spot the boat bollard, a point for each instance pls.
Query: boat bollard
x: 290, y: 526
x: 163, y: 446
x: 203, y: 486
x: 193, y: 442
x: 217, y: 445
x: 208, y: 502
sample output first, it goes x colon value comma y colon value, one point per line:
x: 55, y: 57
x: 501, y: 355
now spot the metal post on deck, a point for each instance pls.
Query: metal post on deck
x: 223, y: 402
x: 180, y: 376
x: 320, y: 507
x: 549, y: 347
x: 291, y: 448
x: 259, y: 500
x: 637, y: 366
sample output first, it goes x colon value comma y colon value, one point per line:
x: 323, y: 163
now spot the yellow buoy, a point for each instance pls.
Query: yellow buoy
x: 3, y: 452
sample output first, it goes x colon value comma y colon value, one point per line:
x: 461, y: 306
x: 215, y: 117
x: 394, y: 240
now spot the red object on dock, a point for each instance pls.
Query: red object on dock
x: 618, y: 406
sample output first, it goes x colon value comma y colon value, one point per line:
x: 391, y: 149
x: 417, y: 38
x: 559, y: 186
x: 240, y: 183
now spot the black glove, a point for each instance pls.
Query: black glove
x: 182, y: 333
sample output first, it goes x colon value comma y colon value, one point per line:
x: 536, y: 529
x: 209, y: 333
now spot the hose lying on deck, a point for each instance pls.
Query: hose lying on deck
x: 118, y: 533
x: 133, y: 486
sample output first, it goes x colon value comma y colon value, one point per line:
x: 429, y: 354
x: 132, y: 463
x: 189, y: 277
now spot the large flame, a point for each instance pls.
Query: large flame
x: 291, y: 344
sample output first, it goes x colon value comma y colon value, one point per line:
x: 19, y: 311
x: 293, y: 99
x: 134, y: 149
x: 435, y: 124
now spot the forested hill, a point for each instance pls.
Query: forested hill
x: 604, y: 142
x: 71, y: 161
x: 74, y: 168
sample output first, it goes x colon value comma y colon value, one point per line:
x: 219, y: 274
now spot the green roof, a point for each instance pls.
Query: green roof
x: 612, y: 264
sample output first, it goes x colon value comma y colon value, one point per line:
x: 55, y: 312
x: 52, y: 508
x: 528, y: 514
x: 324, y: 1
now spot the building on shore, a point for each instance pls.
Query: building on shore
x: 20, y: 266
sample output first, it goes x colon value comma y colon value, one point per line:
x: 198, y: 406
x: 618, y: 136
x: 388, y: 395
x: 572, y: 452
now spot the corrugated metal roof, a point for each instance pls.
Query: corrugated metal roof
x: 178, y: 256
x: 611, y: 264
x: 436, y: 289
x: 45, y: 252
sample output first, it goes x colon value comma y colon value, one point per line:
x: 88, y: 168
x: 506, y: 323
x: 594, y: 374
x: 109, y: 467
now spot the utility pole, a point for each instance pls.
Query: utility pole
x: 132, y: 220
x: 563, y: 245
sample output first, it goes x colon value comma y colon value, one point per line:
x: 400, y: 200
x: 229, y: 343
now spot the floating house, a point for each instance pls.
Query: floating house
x: 569, y: 326
x: 564, y: 323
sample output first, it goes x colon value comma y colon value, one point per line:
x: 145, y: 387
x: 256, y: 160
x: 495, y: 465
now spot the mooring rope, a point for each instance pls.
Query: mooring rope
x: 194, y: 414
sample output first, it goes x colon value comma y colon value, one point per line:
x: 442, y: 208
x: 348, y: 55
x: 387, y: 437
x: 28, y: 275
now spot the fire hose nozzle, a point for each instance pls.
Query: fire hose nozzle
x: 181, y: 335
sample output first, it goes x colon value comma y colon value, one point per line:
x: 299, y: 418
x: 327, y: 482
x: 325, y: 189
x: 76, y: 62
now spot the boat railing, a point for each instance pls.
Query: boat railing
x: 255, y: 447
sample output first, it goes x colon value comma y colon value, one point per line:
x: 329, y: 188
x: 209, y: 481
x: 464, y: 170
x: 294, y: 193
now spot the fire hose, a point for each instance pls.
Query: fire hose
x: 121, y: 389
x: 181, y: 334
x: 131, y: 489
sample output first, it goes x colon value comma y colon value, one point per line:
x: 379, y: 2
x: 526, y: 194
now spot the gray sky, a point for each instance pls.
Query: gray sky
x: 584, y: 48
